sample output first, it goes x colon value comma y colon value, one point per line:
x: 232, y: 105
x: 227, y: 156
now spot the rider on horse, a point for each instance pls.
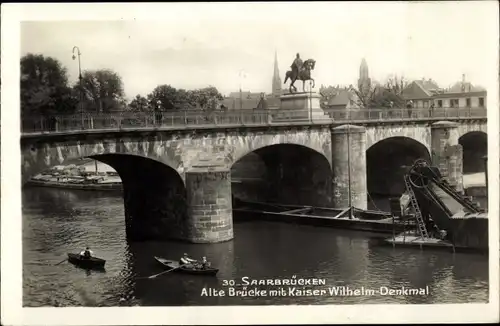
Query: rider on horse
x: 297, y: 65
x: 301, y: 70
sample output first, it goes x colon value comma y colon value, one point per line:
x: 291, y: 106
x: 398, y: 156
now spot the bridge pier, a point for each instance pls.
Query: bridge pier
x: 447, y: 152
x: 154, y: 198
x: 210, y: 214
x: 297, y: 176
x: 153, y: 213
x: 349, y: 166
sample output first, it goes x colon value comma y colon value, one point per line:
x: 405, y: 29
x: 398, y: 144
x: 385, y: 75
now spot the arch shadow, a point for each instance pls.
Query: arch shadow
x: 285, y: 174
x: 475, y: 148
x: 154, y: 197
x: 387, y: 161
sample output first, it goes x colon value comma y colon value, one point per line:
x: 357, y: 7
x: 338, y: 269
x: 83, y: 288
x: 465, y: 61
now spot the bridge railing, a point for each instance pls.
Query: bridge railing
x: 194, y: 119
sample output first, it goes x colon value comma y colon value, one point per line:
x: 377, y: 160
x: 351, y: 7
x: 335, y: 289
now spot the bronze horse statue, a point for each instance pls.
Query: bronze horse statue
x: 304, y: 74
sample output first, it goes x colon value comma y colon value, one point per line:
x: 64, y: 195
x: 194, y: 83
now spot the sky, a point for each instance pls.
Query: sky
x: 195, y: 45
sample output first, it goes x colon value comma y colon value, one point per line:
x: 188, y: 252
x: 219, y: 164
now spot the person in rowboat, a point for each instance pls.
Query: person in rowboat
x: 87, y: 253
x: 205, y: 263
x: 185, y: 260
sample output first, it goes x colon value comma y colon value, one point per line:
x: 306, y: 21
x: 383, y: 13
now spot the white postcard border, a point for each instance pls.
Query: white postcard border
x: 14, y: 314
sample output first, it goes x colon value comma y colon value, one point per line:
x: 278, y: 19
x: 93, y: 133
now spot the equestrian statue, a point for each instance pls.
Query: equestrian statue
x: 300, y: 71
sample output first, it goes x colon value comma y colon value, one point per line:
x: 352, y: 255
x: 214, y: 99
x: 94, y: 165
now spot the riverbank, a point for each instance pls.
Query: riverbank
x: 108, y: 186
x: 85, y: 175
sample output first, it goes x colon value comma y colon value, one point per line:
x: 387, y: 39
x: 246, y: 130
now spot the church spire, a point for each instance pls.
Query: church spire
x: 363, y: 70
x: 276, y: 69
x: 276, y: 91
x: 364, y: 81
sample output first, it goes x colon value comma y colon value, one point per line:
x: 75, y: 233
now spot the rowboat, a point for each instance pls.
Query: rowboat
x: 171, y: 264
x: 87, y: 263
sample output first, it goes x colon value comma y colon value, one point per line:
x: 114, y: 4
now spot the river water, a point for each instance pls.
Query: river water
x: 58, y: 221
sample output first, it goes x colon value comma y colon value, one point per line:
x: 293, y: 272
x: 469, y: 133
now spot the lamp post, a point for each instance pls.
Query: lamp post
x: 78, y: 53
x: 242, y: 75
x: 310, y: 102
x: 349, y: 168
x: 158, y: 113
x: 485, y: 159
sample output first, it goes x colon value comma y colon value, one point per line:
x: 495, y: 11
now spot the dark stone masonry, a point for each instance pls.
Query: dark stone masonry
x: 447, y: 152
x: 210, y: 217
x: 349, y: 166
x: 171, y: 192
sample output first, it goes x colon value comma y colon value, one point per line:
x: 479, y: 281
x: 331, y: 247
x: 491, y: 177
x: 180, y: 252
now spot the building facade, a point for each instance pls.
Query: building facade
x: 424, y: 93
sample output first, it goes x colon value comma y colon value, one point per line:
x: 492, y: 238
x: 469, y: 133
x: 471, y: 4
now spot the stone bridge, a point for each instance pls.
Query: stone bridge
x: 177, y: 183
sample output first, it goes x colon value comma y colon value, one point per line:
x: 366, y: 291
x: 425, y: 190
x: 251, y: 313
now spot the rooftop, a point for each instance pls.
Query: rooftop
x: 341, y: 97
x: 245, y: 95
x: 464, y: 87
x: 428, y: 86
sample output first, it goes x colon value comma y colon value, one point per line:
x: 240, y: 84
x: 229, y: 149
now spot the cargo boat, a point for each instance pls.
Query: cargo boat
x: 350, y: 218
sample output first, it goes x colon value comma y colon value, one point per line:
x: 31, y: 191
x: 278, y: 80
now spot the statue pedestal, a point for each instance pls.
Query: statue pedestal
x: 301, y: 106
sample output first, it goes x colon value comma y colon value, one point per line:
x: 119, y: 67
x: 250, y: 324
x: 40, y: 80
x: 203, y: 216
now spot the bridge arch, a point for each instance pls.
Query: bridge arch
x: 419, y: 132
x: 283, y: 173
x: 474, y: 147
x: 154, y: 196
x: 154, y: 192
x: 316, y: 140
x: 41, y: 154
x: 386, y: 161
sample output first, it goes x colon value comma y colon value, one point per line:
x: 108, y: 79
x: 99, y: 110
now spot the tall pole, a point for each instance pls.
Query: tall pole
x: 78, y: 53
x: 485, y: 158
x: 349, y: 165
x: 242, y: 75
x: 310, y: 101
x: 241, y: 99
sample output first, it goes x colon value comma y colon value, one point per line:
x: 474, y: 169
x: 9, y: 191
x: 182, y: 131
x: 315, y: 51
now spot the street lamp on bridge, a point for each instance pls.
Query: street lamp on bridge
x: 158, y: 113
x: 78, y: 53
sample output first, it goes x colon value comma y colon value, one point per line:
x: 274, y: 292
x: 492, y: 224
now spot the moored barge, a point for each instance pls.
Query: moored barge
x: 350, y: 218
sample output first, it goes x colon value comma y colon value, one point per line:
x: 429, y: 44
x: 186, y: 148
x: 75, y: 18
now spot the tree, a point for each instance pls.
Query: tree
x: 102, y: 91
x: 168, y: 98
x: 207, y: 99
x: 139, y: 104
x: 44, y: 87
x: 364, y: 96
x: 327, y: 92
x: 393, y: 91
x: 381, y: 96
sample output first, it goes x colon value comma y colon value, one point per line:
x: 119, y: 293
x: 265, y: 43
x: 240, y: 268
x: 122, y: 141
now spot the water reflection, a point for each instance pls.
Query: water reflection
x: 74, y: 219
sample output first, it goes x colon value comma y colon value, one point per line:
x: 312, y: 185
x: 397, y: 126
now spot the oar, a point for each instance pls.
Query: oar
x: 62, y: 261
x: 164, y: 272
x: 47, y: 264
